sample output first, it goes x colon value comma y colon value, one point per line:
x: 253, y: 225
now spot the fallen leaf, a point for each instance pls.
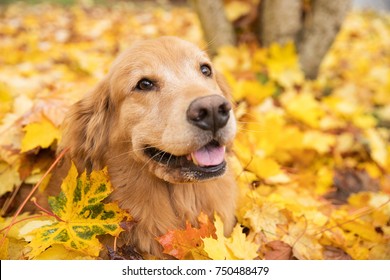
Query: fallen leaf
x: 9, y: 177
x: 333, y: 253
x: 278, y: 250
x: 235, y: 247
x: 41, y: 134
x: 350, y: 181
x: 305, y: 245
x: 126, y: 252
x: 378, y: 147
x: 215, y: 247
x: 82, y: 215
x: 240, y: 246
x: 187, y: 243
x: 60, y: 252
x: 4, y: 247
x: 304, y: 107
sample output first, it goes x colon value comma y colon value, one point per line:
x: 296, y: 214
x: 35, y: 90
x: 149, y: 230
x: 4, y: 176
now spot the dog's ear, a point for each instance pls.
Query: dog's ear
x: 87, y: 127
x: 223, y: 85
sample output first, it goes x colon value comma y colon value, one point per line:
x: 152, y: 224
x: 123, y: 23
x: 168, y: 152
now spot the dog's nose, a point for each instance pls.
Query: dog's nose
x: 209, y: 112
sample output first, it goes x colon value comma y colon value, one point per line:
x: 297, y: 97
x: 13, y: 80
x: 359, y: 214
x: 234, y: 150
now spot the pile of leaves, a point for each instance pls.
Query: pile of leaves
x: 311, y: 158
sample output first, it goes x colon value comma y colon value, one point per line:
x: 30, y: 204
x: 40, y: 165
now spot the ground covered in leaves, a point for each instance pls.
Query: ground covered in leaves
x: 312, y: 158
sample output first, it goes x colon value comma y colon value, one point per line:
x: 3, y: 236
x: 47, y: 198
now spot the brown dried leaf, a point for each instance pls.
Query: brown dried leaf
x: 278, y: 250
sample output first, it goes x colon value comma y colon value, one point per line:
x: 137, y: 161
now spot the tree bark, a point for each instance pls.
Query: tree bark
x: 320, y: 29
x: 217, y: 29
x: 279, y: 21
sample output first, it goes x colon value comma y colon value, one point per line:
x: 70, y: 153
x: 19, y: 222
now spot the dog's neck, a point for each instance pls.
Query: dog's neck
x: 134, y: 183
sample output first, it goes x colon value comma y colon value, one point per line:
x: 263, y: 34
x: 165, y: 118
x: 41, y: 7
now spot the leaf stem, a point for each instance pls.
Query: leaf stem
x: 115, y: 241
x: 60, y: 156
x: 49, y: 213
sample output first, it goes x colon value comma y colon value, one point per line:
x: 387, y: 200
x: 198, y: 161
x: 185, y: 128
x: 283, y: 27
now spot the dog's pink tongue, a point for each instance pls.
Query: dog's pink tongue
x: 209, y: 155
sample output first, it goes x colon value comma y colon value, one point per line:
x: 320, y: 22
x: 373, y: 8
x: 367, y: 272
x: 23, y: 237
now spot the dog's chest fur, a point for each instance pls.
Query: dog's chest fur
x: 158, y: 206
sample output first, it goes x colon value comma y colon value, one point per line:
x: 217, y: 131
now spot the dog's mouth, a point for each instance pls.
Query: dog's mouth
x: 204, y: 163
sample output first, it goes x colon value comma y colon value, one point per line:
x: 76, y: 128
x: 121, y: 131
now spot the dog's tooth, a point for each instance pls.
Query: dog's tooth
x: 190, y: 157
x: 194, y: 159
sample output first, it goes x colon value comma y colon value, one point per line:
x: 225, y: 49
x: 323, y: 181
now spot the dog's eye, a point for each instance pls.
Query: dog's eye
x: 145, y: 84
x: 206, y: 70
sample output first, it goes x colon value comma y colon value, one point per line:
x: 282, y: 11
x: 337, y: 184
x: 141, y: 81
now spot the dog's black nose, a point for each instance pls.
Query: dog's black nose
x: 209, y: 112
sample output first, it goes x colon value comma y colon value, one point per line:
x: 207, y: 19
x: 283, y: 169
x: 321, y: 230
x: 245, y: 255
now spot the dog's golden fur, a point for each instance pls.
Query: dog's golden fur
x: 113, y: 123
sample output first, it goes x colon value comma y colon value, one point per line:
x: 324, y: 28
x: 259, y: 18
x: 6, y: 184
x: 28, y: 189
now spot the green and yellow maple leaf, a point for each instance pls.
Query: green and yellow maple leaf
x: 82, y: 215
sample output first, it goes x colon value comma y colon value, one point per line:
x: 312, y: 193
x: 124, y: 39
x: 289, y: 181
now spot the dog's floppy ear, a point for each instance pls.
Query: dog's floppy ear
x: 87, y: 127
x: 223, y: 85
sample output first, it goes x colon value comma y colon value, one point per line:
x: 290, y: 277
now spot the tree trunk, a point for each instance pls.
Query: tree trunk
x: 218, y: 31
x: 279, y: 21
x: 320, y: 29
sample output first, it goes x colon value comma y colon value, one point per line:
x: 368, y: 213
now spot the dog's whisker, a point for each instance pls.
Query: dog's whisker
x: 170, y: 157
x: 125, y: 153
x: 151, y: 158
x: 162, y: 157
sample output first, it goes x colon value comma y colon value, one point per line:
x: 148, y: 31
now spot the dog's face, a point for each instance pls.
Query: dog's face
x: 164, y: 100
x: 172, y: 110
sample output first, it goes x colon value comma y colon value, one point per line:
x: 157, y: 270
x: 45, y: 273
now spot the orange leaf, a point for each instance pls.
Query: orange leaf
x: 187, y: 243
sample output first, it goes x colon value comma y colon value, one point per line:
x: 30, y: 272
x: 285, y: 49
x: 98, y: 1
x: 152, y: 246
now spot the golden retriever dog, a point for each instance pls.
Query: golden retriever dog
x: 162, y: 123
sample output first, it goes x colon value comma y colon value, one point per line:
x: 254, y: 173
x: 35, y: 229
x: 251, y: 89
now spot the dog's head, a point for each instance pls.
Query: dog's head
x: 165, y: 105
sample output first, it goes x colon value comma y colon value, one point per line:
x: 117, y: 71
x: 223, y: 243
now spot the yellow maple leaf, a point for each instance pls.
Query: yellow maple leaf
x: 283, y: 66
x: 82, y: 215
x: 363, y: 229
x: 318, y: 141
x: 236, y: 247
x: 263, y: 134
x: 378, y: 147
x: 264, y: 167
x: 240, y: 246
x: 254, y: 91
x: 304, y: 107
x: 380, y: 252
x: 4, y: 247
x: 265, y: 219
x: 216, y: 248
x: 41, y: 134
x: 9, y: 177
x: 5, y: 100
x: 324, y: 180
x: 305, y: 245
